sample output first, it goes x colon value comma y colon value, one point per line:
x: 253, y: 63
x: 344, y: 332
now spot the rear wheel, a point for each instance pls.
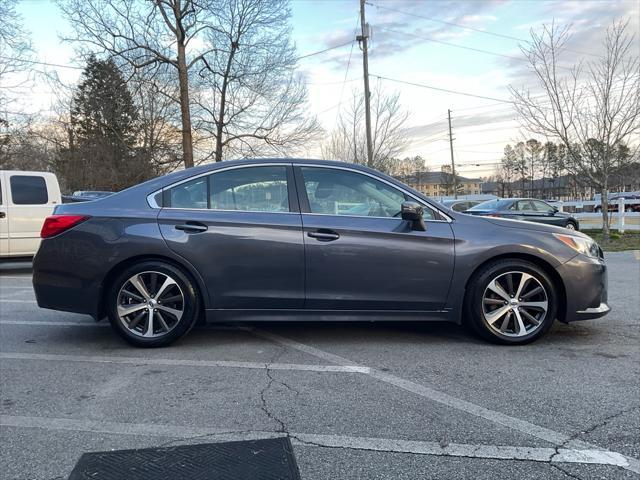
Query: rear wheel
x: 511, y: 302
x: 152, y: 304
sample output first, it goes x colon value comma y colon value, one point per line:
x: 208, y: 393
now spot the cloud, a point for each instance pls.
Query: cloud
x: 394, y: 32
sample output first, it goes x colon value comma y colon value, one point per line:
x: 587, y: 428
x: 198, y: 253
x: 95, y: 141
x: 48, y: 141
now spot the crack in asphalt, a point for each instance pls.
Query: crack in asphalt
x: 565, y: 472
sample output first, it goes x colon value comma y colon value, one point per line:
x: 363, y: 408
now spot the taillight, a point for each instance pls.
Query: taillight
x: 56, y: 224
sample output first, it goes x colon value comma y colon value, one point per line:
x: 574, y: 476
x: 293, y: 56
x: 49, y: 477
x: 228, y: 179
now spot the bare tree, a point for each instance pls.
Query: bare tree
x: 591, y: 111
x: 15, y: 54
x: 249, y: 98
x: 348, y: 142
x: 148, y: 35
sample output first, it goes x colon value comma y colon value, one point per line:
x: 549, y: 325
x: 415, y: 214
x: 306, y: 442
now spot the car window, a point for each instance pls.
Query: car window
x: 192, y: 194
x: 495, y: 204
x: 341, y: 192
x: 524, y: 206
x: 541, y: 206
x: 28, y: 190
x: 251, y: 189
x: 460, y: 207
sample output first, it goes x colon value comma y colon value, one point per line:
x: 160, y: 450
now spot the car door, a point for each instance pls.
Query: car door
x: 545, y: 213
x: 240, y: 227
x: 4, y: 221
x: 29, y: 203
x: 359, y: 254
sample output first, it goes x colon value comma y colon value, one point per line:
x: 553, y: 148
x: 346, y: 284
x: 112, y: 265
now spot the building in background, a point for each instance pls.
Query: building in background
x: 440, y: 184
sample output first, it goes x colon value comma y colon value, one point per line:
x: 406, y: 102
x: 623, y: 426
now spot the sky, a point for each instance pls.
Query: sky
x: 470, y: 47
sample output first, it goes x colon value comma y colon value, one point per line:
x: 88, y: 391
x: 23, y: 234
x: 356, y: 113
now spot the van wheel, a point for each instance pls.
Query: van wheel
x: 152, y: 304
x: 511, y: 302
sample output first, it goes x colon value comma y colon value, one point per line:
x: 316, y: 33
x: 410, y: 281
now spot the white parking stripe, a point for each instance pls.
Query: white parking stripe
x: 523, y: 426
x: 182, y: 363
x: 54, y: 324
x: 17, y: 301
x: 26, y: 289
x: 14, y: 277
x: 503, y: 452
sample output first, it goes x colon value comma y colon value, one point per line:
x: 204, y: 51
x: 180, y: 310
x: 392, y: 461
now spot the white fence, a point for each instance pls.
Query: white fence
x: 620, y: 220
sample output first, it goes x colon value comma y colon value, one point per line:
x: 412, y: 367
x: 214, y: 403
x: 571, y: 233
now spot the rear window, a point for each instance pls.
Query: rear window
x: 28, y: 190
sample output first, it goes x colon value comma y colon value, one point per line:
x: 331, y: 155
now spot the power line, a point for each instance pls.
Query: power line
x: 466, y: 27
x: 457, y: 92
x: 464, y: 47
x: 36, y: 62
x: 323, y: 51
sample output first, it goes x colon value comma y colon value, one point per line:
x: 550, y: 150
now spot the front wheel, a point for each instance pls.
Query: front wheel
x: 152, y: 304
x: 571, y: 226
x: 511, y: 302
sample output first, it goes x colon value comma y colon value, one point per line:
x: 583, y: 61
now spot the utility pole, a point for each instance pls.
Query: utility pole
x: 362, y: 39
x: 453, y: 164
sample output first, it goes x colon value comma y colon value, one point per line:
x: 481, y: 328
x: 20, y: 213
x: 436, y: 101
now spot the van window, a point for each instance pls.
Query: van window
x: 28, y: 190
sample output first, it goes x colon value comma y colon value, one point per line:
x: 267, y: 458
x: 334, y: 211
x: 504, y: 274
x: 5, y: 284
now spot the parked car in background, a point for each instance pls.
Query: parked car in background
x: 26, y: 199
x: 460, y: 205
x: 278, y: 239
x: 526, y: 209
x: 85, y: 196
x: 613, y: 205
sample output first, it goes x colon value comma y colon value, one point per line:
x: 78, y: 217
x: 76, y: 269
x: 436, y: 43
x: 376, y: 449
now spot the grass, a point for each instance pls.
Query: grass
x: 618, y: 242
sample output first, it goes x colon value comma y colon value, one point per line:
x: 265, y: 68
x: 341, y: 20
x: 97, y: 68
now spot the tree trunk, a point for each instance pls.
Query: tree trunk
x: 183, y: 78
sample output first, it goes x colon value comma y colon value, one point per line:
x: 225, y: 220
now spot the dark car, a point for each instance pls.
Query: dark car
x: 460, y: 205
x: 613, y: 204
x: 526, y: 209
x: 286, y: 239
x: 85, y: 196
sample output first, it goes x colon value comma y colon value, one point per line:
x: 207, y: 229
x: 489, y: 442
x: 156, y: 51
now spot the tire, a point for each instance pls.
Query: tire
x: 482, y: 303
x: 132, y: 297
x: 597, y: 209
x: 571, y: 226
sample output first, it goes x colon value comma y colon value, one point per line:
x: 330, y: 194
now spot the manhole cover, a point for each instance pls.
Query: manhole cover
x: 268, y: 459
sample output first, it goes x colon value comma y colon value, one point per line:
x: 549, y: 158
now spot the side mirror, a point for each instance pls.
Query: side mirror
x: 554, y: 211
x: 412, y: 212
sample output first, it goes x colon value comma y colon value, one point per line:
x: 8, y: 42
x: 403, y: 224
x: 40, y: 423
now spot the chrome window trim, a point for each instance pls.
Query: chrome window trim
x: 153, y: 204
x: 419, y: 200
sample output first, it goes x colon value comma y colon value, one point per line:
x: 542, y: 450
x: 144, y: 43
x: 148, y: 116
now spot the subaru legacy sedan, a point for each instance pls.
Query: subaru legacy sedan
x: 284, y: 239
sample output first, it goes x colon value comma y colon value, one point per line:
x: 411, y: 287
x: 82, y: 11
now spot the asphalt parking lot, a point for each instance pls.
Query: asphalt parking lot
x: 359, y: 401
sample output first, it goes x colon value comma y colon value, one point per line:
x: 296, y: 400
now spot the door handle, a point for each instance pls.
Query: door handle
x: 324, y: 235
x: 192, y: 227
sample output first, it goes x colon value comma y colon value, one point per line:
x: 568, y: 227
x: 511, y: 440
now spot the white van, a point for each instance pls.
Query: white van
x: 26, y: 199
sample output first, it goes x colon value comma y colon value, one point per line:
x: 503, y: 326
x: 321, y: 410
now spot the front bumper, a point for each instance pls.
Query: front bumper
x: 585, y: 282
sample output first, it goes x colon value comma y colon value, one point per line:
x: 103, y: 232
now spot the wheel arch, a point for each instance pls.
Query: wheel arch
x: 539, y: 262
x: 118, y: 268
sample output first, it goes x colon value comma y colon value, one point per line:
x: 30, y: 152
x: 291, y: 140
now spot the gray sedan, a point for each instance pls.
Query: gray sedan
x: 284, y: 239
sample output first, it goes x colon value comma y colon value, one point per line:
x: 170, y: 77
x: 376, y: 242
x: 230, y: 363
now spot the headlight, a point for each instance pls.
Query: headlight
x: 582, y: 245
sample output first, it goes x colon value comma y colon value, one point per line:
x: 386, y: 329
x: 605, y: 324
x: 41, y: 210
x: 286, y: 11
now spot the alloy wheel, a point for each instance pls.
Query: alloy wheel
x: 515, y: 304
x: 570, y: 226
x: 150, y: 304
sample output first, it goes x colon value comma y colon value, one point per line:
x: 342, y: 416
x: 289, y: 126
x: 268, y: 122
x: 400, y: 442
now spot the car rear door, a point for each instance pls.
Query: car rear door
x: 359, y: 254
x: 240, y: 227
x: 545, y: 213
x: 30, y: 201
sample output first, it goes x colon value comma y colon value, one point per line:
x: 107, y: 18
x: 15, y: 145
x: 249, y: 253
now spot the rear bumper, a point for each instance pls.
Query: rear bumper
x: 585, y: 281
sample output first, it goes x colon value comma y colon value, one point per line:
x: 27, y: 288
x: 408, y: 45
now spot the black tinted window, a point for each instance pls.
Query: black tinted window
x: 250, y: 189
x: 28, y: 190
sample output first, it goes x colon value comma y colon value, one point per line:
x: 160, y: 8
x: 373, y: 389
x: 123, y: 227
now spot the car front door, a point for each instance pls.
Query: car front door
x: 545, y: 213
x: 359, y: 254
x: 241, y: 229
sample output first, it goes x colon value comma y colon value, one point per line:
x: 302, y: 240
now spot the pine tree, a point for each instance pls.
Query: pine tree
x: 103, y: 133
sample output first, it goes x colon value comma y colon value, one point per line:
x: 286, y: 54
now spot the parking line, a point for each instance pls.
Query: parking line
x: 494, y: 416
x: 4, y: 300
x: 182, y: 363
x: 502, y: 452
x: 26, y: 277
x: 55, y: 324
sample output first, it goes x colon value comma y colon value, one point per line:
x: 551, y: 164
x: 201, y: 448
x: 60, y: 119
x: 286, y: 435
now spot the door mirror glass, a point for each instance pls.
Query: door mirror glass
x: 413, y: 212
